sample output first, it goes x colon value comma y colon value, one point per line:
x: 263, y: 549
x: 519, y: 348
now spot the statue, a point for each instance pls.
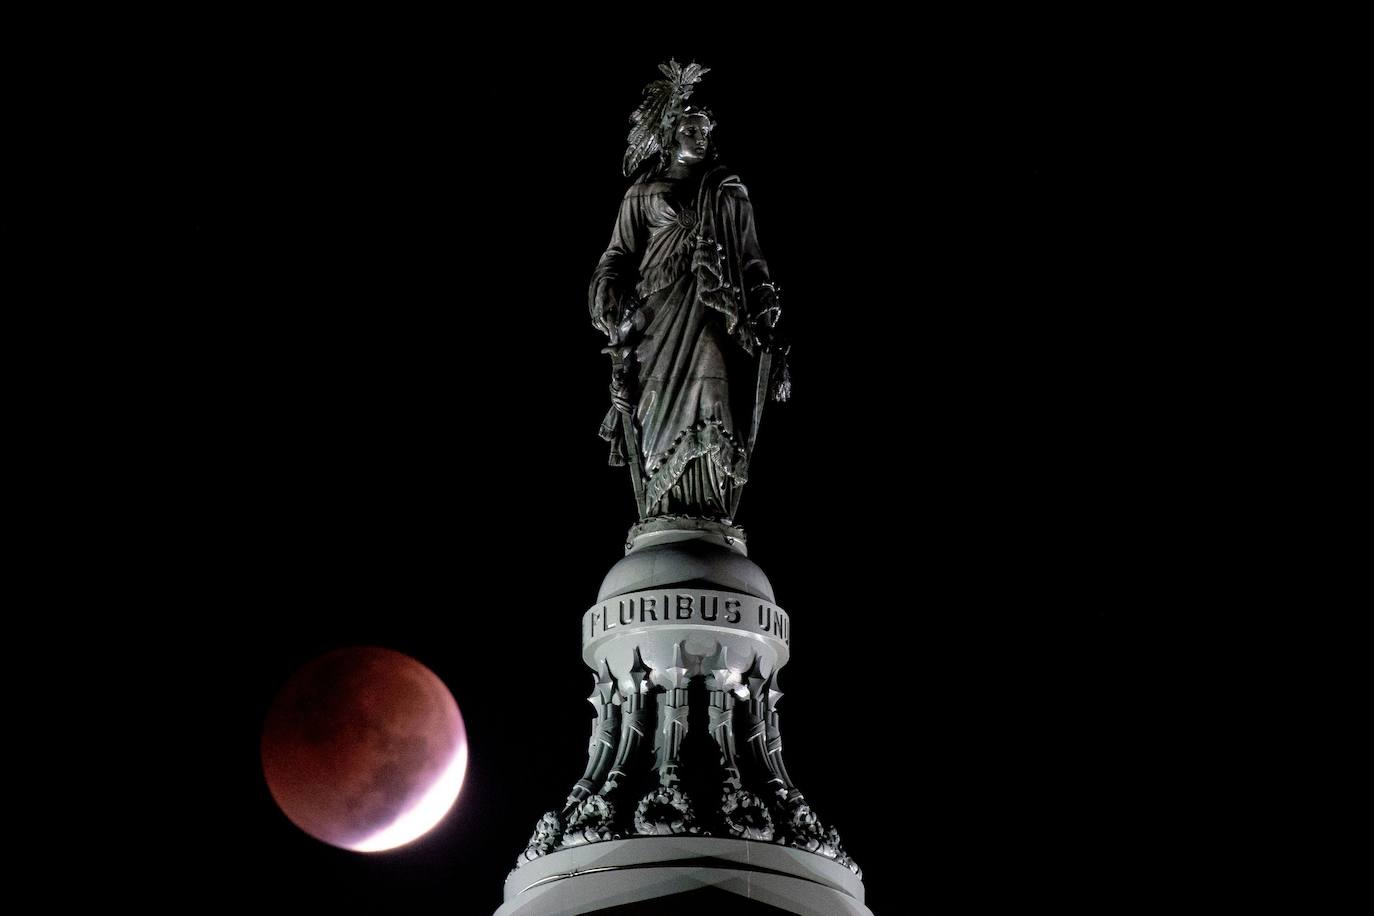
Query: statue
x: 691, y: 315
x: 684, y: 770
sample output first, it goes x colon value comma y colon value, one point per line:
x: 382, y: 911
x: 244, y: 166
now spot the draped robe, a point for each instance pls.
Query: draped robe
x: 686, y: 250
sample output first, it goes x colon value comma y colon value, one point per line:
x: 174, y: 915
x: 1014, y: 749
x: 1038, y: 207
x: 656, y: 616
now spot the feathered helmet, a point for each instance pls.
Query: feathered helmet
x: 665, y: 103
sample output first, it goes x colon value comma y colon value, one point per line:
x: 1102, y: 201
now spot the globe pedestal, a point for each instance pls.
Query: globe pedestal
x: 685, y: 796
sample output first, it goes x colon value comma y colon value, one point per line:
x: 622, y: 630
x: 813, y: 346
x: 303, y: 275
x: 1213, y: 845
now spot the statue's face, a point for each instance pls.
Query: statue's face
x: 693, y: 138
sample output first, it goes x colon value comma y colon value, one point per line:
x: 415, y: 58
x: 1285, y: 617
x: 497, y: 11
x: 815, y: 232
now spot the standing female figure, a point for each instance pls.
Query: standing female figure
x: 684, y: 297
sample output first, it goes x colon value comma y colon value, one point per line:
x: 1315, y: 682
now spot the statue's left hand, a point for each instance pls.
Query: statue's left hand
x: 767, y: 317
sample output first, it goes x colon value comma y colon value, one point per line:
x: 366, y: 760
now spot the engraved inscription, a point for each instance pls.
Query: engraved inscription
x: 686, y: 607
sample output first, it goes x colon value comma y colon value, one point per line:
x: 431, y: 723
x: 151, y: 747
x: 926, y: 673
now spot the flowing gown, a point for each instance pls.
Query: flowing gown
x: 688, y: 250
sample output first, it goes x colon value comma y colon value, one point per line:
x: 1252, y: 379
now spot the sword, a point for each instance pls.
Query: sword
x: 620, y: 371
x: 760, y: 398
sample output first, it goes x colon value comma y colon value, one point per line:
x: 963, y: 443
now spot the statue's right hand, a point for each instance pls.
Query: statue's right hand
x: 603, y: 307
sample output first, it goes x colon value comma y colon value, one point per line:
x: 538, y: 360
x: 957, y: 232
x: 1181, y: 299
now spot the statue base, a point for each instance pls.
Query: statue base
x: 685, y: 583
x: 683, y: 551
x: 655, y: 871
x: 685, y: 800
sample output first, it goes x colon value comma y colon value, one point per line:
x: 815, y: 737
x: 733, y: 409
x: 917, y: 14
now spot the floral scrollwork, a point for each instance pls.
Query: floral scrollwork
x: 665, y: 811
x: 545, y: 839
x: 833, y: 842
x: 590, y: 822
x: 803, y: 829
x: 746, y: 816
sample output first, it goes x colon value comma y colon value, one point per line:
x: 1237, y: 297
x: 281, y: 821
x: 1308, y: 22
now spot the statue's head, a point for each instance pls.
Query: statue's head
x: 666, y: 130
x: 692, y: 138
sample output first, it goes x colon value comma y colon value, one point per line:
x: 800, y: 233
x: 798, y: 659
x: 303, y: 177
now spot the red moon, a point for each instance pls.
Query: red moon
x: 364, y: 748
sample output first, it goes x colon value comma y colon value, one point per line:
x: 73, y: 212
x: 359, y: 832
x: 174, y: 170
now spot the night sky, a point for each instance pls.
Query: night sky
x: 376, y: 393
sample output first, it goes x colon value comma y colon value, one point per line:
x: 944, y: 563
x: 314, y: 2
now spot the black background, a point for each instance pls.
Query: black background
x: 363, y: 397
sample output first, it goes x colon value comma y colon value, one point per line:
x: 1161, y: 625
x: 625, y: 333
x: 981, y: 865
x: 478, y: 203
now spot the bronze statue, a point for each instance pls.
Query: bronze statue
x: 691, y: 314
x: 685, y: 631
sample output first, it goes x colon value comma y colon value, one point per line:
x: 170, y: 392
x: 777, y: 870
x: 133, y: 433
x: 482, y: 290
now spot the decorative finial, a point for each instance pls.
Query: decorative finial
x: 639, y: 674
